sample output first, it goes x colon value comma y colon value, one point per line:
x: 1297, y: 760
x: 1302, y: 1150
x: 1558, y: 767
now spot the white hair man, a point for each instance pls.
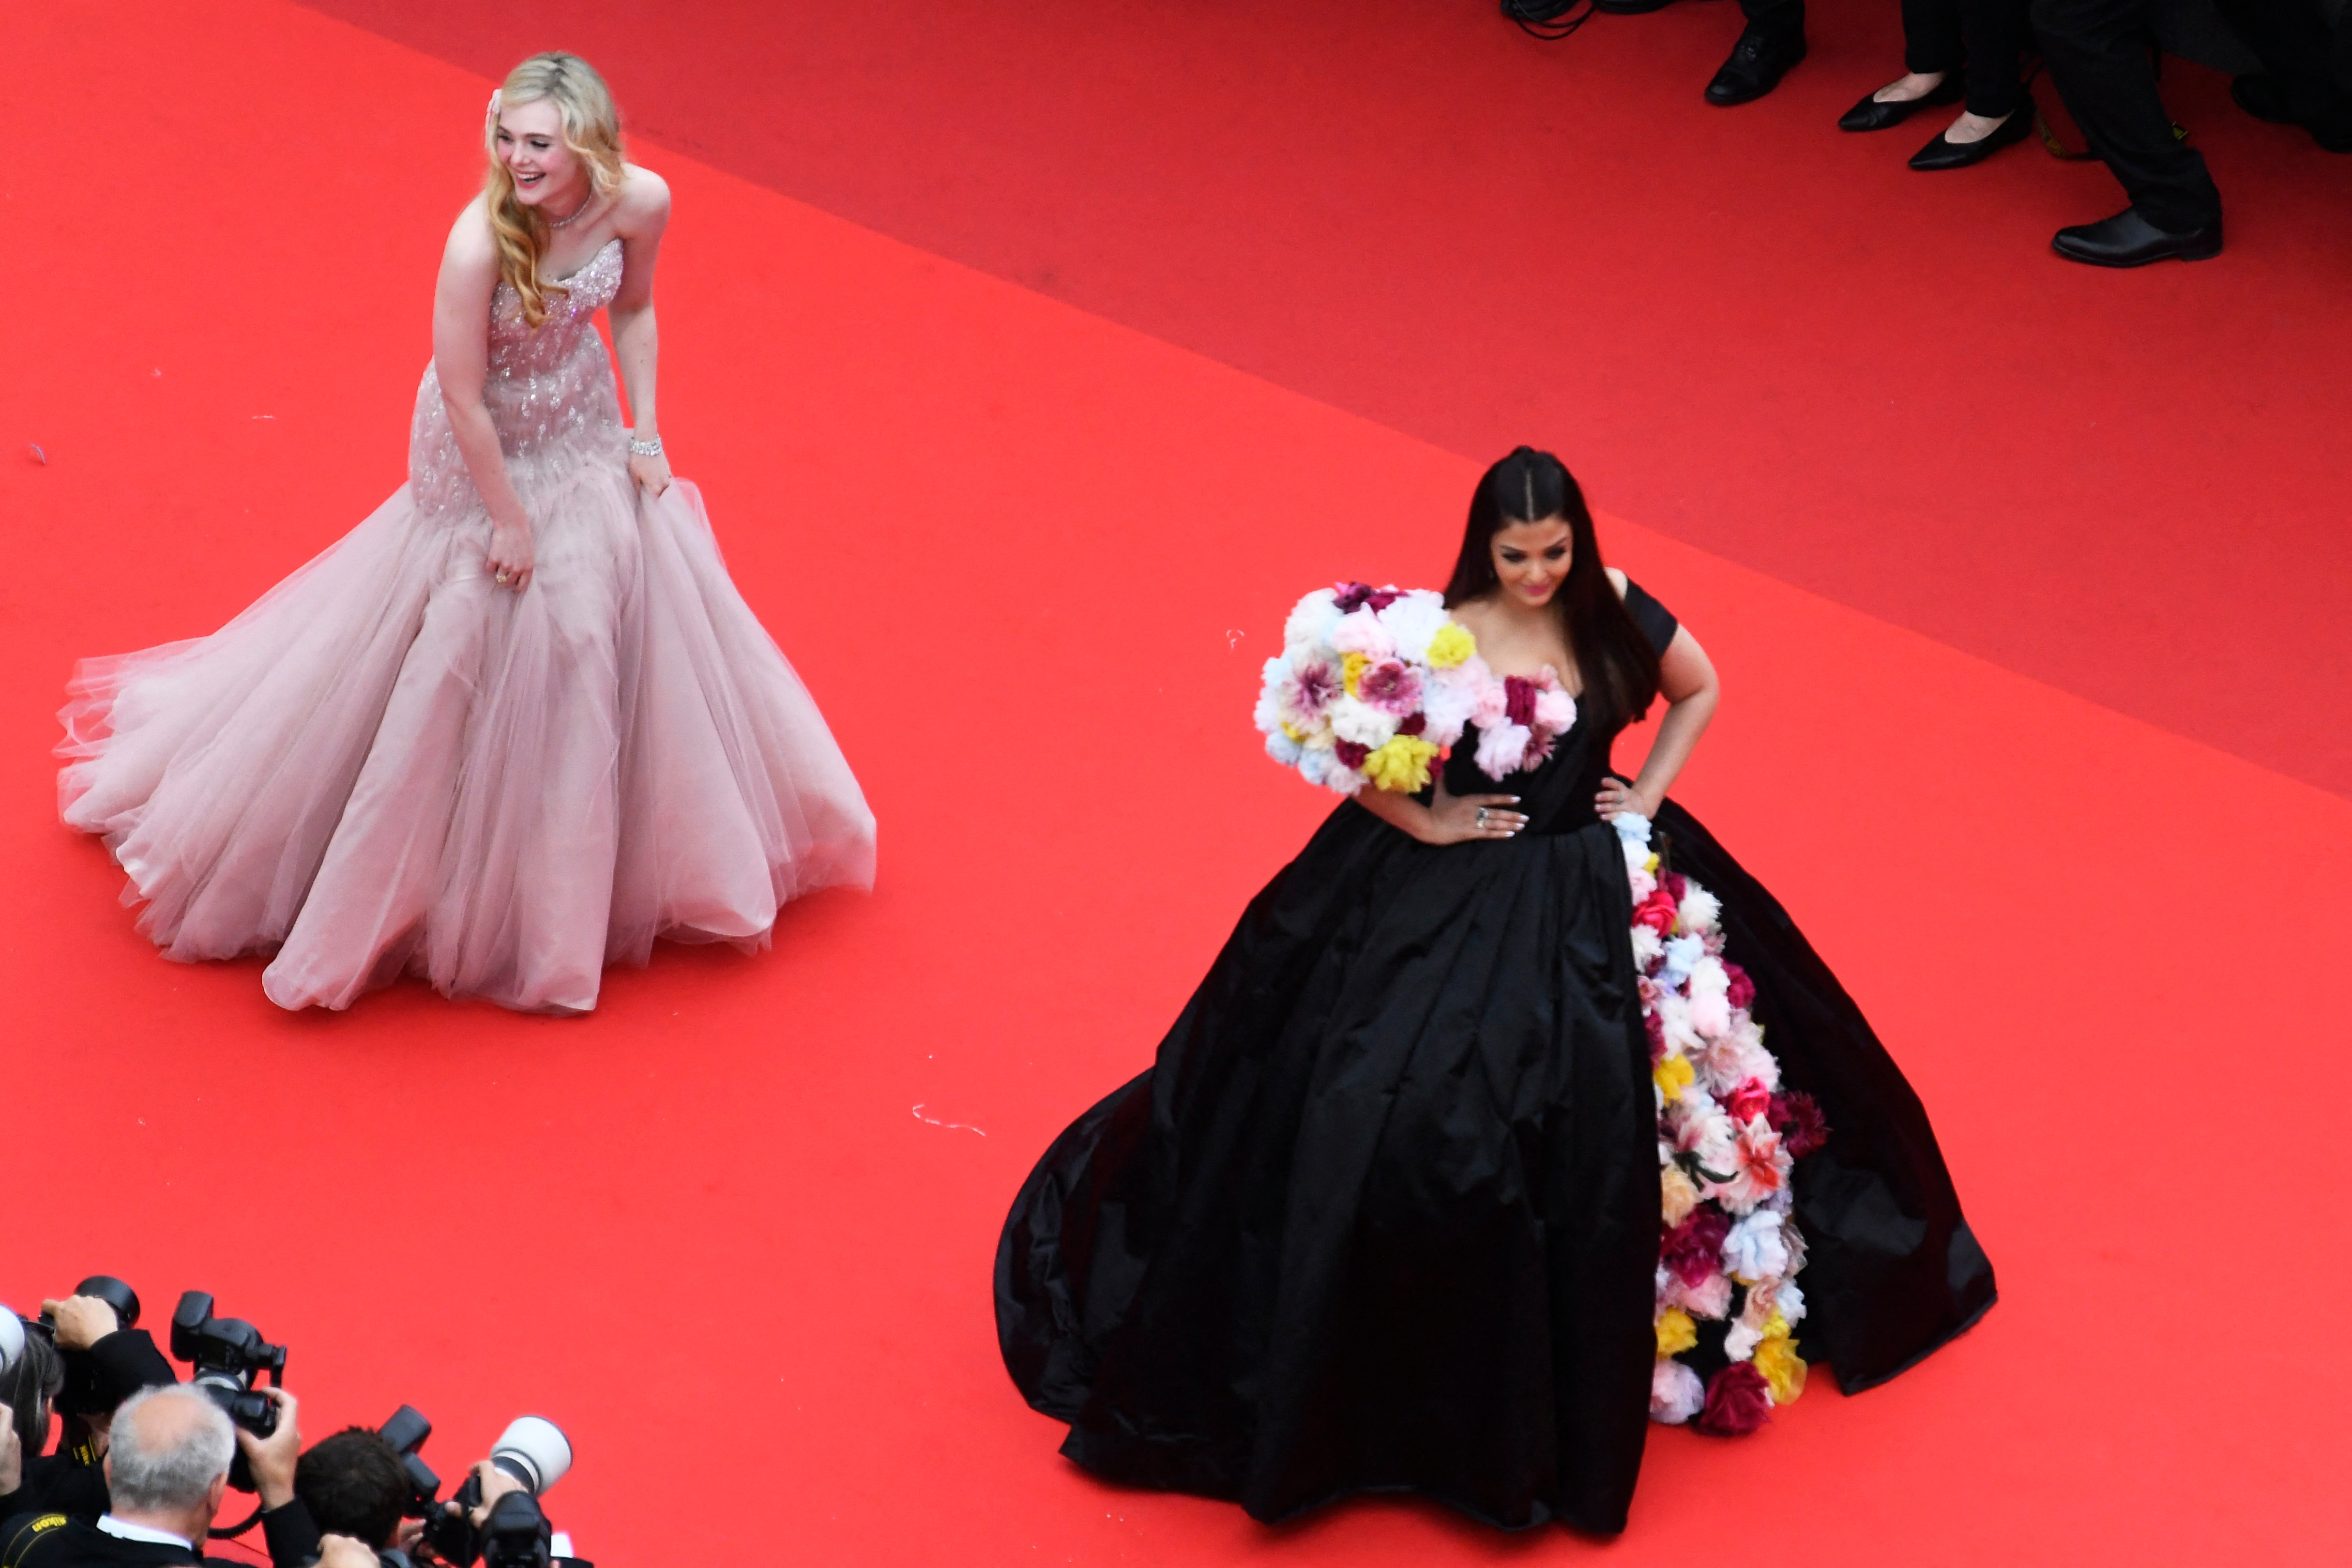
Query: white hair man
x: 166, y: 1474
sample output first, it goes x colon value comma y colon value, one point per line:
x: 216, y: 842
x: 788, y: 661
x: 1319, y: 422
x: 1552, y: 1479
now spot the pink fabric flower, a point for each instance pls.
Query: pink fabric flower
x: 1802, y: 1127
x: 1675, y: 1393
x: 1501, y: 751
x: 1491, y: 711
x: 1362, y: 633
x: 1391, y: 686
x: 1314, y: 686
x: 1738, y: 1401
x: 1555, y: 711
x: 1759, y: 1167
x: 1656, y: 1029
x: 1693, y: 1249
x: 1710, y: 1298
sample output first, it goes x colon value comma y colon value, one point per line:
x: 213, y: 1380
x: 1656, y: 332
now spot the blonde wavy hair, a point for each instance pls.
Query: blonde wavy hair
x: 591, y: 128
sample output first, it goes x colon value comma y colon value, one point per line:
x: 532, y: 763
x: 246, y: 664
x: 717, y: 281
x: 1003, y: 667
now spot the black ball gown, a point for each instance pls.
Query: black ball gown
x: 1384, y: 1213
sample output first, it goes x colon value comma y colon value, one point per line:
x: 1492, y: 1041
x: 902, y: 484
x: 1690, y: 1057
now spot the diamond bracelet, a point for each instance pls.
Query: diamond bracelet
x: 652, y: 448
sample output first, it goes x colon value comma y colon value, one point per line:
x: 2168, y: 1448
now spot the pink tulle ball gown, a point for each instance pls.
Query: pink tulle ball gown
x: 392, y: 765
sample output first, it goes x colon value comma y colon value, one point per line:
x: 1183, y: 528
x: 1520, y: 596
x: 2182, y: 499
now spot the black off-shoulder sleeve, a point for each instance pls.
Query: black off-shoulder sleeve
x: 1656, y: 621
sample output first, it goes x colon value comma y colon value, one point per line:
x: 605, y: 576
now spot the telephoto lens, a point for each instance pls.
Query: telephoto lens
x: 535, y: 1452
x: 11, y: 1340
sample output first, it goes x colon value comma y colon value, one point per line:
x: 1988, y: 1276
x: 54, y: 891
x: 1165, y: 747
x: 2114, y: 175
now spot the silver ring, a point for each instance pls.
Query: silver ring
x: 1482, y: 816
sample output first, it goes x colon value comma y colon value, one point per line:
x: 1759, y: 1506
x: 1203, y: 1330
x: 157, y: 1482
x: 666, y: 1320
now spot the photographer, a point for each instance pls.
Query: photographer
x: 166, y: 1470
x: 81, y: 1362
x: 355, y: 1484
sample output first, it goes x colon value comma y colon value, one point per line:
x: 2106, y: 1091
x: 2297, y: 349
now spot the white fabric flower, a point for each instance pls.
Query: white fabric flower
x: 1754, y: 1251
x: 1710, y: 991
x: 1412, y: 620
x: 1634, y: 830
x: 1313, y: 762
x: 1700, y: 908
x: 1283, y: 749
x: 1342, y: 779
x: 1683, y: 953
x: 1646, y: 946
x: 1267, y: 714
x: 1310, y: 623
x: 1790, y: 1298
x: 1365, y: 725
x: 1501, y: 748
x: 1446, y: 703
x: 1675, y: 1393
x: 1740, y: 1341
x: 1359, y: 631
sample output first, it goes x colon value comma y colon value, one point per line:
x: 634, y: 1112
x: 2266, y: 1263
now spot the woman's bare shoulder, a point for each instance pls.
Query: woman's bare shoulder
x: 1617, y: 579
x: 644, y: 201
x: 471, y: 255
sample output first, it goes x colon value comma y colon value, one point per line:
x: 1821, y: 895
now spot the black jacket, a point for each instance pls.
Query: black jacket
x: 111, y: 1371
x: 59, y: 1540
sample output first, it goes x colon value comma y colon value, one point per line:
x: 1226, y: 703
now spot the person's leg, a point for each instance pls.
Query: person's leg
x: 1997, y: 32
x: 2098, y: 55
x: 1772, y: 42
x: 2292, y: 41
x: 1933, y: 43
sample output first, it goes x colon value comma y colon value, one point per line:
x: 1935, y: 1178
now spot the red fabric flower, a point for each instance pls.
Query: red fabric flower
x: 1657, y: 1030
x: 1743, y: 990
x: 1519, y: 699
x: 1738, y: 1401
x: 1799, y: 1118
x: 1675, y: 884
x: 1751, y: 1100
x: 1693, y: 1249
x: 1657, y: 912
x: 1350, y: 752
x: 1350, y: 595
x: 1413, y: 724
x: 1381, y: 598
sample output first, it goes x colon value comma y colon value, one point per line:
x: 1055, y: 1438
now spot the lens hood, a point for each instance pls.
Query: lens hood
x: 534, y: 1451
x: 12, y: 1340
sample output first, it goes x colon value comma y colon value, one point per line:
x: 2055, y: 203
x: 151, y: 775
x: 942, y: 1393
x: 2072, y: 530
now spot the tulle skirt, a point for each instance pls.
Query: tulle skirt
x: 391, y: 765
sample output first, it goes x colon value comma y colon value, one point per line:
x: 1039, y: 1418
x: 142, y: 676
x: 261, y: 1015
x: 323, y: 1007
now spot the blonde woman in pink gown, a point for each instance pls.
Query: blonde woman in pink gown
x: 517, y: 723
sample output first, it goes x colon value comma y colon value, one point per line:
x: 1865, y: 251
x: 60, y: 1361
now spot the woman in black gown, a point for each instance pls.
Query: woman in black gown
x: 1384, y: 1213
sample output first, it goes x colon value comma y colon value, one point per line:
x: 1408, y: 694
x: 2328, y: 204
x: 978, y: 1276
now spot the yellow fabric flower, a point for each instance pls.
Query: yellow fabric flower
x: 1677, y: 1333
x: 1672, y: 1074
x: 1354, y: 664
x: 1401, y: 766
x: 1680, y: 1193
x: 1776, y: 1359
x: 1293, y: 731
x: 1651, y: 865
x: 1451, y: 646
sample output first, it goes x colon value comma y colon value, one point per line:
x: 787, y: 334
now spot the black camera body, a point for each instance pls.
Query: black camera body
x: 228, y: 1355
x: 406, y: 1432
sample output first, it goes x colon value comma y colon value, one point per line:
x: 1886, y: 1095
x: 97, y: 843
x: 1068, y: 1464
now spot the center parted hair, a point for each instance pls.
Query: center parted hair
x: 591, y: 128
x: 1619, y: 667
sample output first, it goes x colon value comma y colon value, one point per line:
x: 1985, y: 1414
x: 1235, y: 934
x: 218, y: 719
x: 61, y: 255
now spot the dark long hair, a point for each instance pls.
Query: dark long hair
x: 29, y: 1390
x: 1619, y: 667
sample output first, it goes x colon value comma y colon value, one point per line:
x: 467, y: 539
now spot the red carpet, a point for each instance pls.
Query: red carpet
x: 1029, y: 559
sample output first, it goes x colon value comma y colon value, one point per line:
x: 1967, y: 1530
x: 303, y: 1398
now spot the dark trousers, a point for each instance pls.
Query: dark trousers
x: 2312, y: 60
x: 2098, y: 54
x: 1783, y: 16
x: 1984, y: 39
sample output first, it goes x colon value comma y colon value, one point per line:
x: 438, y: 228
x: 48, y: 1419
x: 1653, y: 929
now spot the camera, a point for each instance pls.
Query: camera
x: 82, y: 1397
x: 227, y: 1354
x: 12, y: 1340
x: 406, y: 1432
x: 535, y: 1452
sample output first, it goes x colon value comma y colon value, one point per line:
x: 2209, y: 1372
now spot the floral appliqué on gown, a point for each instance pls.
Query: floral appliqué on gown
x: 391, y: 765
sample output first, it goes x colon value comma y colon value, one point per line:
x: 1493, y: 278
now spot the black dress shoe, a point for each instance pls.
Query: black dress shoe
x: 1758, y: 60
x: 2265, y: 97
x: 1941, y: 153
x: 1872, y: 114
x: 1630, y: 7
x: 2128, y: 239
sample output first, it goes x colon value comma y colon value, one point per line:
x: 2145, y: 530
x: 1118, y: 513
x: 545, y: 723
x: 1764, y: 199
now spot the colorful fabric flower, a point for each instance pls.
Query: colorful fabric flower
x: 1738, y: 1401
x: 1451, y: 646
x: 1783, y: 1369
x: 1799, y: 1117
x: 1401, y: 765
x: 1501, y: 749
x: 1676, y: 1393
x: 1677, y: 1333
x: 1678, y: 1194
x: 1693, y: 1249
x: 1391, y: 686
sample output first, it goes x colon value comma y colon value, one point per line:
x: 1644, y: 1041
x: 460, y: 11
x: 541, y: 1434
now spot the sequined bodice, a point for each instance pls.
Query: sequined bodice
x: 550, y: 394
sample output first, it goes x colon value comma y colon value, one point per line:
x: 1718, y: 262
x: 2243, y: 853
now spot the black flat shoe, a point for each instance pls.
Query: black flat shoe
x: 1758, y: 60
x: 2128, y: 239
x: 1942, y: 154
x: 1872, y: 114
x: 1630, y: 7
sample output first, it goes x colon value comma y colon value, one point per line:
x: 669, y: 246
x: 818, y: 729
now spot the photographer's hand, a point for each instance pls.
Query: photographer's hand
x: 342, y: 1551
x: 496, y: 1484
x: 82, y: 1321
x: 272, y: 1458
